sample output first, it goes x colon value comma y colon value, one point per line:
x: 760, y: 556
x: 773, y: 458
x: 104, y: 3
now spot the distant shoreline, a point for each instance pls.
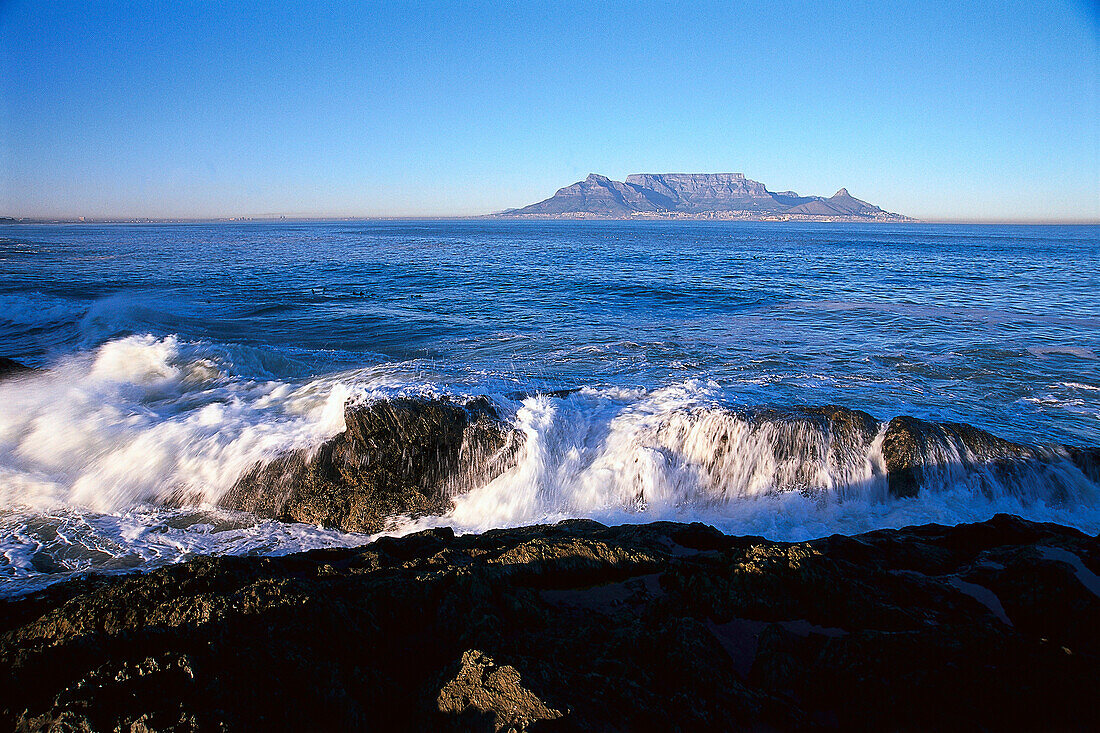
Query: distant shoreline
x: 780, y: 219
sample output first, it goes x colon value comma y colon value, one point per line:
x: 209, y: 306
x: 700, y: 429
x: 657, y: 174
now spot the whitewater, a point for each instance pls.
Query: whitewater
x: 635, y: 359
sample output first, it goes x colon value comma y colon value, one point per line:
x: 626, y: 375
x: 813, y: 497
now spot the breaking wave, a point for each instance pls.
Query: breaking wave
x: 117, y: 459
x: 785, y: 474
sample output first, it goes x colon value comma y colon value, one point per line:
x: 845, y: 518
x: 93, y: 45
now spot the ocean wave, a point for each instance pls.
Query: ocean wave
x: 141, y: 417
x: 108, y: 456
x: 786, y: 473
x: 37, y: 310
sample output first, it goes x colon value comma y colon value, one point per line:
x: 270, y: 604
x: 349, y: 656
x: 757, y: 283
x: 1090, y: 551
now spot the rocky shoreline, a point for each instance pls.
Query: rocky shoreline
x: 413, y: 456
x: 577, y: 626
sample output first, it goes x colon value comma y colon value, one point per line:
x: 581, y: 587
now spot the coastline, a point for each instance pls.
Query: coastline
x: 245, y: 219
x: 577, y: 626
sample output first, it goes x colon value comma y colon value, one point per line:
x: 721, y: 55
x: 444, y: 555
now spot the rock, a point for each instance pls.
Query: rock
x: 1087, y: 461
x: 578, y: 626
x: 849, y: 431
x: 402, y: 456
x: 488, y: 688
x: 915, y: 449
x: 413, y: 456
x: 12, y: 368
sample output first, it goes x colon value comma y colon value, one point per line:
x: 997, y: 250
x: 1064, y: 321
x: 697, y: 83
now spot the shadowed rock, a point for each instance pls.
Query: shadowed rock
x: 665, y: 626
x: 849, y: 430
x: 914, y: 448
x: 12, y: 368
x: 402, y: 456
x: 1087, y: 460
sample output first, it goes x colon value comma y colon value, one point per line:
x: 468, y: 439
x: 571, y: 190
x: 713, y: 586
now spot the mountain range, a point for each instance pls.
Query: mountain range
x: 695, y: 195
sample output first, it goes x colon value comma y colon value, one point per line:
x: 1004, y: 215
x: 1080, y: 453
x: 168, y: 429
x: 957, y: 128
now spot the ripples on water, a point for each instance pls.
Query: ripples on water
x: 177, y: 355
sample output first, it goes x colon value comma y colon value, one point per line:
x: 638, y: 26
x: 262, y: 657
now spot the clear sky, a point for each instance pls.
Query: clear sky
x: 936, y: 110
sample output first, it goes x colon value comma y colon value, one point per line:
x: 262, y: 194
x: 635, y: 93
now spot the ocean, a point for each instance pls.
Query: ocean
x: 174, y: 357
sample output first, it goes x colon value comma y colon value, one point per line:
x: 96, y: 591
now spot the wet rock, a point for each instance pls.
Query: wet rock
x: 578, y: 626
x: 915, y: 450
x: 483, y: 686
x: 12, y: 368
x: 846, y: 433
x: 413, y: 456
x: 1087, y: 461
x: 402, y: 456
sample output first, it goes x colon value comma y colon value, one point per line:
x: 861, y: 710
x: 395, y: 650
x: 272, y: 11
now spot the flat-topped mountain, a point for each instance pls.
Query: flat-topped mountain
x: 695, y: 195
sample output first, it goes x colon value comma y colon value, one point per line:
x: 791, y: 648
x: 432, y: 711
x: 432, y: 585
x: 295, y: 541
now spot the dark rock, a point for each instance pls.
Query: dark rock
x: 402, y: 456
x: 914, y: 448
x: 803, y: 441
x: 412, y: 456
x: 850, y: 431
x: 556, y: 393
x: 12, y: 368
x: 653, y: 627
x: 1087, y: 460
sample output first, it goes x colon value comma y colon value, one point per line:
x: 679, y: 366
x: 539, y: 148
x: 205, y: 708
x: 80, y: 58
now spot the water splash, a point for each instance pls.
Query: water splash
x: 116, y: 458
x: 142, y: 419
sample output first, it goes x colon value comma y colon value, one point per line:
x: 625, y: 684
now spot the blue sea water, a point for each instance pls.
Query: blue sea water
x: 176, y: 355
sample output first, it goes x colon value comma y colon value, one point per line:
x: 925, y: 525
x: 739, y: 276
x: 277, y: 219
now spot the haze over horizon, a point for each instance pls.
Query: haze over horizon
x: 221, y: 109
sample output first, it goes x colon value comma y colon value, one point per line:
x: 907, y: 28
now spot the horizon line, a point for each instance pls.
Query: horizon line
x: 498, y: 216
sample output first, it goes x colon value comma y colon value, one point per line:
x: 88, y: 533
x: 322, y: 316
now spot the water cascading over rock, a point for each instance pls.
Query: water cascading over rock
x: 417, y: 456
x: 402, y: 456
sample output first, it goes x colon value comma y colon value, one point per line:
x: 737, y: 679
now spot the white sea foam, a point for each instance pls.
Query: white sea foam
x: 674, y: 454
x: 43, y: 547
x: 116, y: 458
x: 143, y: 419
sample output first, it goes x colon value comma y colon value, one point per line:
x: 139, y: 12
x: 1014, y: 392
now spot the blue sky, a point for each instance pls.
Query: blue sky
x: 938, y: 110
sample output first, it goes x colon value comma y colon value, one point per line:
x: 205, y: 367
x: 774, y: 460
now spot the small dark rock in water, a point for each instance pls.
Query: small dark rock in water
x: 402, y: 456
x: 12, y: 368
x: 556, y: 393
x: 578, y: 627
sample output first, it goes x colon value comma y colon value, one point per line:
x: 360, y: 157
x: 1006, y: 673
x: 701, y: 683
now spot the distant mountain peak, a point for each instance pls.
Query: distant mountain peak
x: 725, y: 195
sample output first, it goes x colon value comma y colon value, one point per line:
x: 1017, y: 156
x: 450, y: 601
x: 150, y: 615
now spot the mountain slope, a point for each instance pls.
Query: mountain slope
x: 596, y: 195
x: 698, y: 192
x: 841, y: 204
x: 694, y: 194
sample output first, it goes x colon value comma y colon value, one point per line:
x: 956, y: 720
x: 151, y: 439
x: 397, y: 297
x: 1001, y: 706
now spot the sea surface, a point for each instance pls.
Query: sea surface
x: 174, y: 357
